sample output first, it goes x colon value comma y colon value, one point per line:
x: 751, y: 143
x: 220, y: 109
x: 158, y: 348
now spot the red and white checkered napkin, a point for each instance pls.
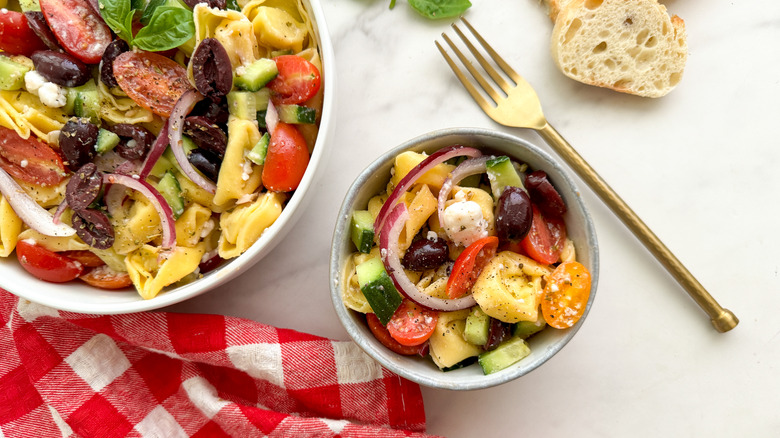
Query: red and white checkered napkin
x: 158, y: 374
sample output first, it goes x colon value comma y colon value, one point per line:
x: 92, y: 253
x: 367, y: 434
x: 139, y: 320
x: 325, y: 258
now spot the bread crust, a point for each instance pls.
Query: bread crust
x: 630, y: 46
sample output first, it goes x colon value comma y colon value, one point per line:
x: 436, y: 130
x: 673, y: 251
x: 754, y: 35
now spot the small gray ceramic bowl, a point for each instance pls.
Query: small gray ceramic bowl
x: 374, y: 179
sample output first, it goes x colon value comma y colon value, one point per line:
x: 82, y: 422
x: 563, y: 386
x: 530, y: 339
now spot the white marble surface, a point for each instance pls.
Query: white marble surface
x: 699, y: 166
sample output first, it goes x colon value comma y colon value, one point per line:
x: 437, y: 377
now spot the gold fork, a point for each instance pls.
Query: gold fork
x: 517, y: 105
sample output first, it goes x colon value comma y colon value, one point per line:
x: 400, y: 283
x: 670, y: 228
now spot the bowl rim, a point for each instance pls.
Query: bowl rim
x: 267, y: 241
x: 390, y: 360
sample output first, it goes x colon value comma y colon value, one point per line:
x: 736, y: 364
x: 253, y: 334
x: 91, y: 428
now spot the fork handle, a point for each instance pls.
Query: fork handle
x: 722, y: 319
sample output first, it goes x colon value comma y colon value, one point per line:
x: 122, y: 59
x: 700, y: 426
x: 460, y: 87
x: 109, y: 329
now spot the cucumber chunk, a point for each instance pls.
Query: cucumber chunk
x: 242, y: 104
x: 106, y: 141
x: 477, y: 327
x: 524, y: 329
x: 505, y: 355
x: 11, y: 74
x: 378, y: 288
x: 29, y: 5
x: 297, y: 114
x: 502, y: 173
x: 260, y: 150
x: 362, y: 230
x: 170, y: 189
x: 162, y: 166
x: 87, y: 102
x: 256, y: 75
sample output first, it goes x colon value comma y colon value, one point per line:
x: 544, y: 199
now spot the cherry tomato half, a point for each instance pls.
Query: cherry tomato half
x: 411, y: 324
x: 16, y: 37
x: 566, y: 295
x: 87, y: 258
x: 298, y: 80
x: 469, y: 265
x: 46, y: 265
x: 78, y: 28
x: 383, y: 335
x: 286, y: 160
x: 546, y: 238
x: 30, y: 160
x: 151, y: 80
x: 104, y: 277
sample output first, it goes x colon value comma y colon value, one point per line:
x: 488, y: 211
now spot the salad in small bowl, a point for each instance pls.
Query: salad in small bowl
x: 151, y: 150
x: 463, y: 259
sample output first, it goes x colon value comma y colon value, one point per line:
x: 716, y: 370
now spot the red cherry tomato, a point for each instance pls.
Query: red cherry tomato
x: 545, y: 240
x: 106, y: 278
x: 411, y: 324
x: 87, y: 258
x: 46, y: 265
x: 381, y: 333
x: 566, y: 295
x: 80, y: 30
x: 16, y: 37
x: 298, y: 80
x: 151, y: 80
x: 286, y: 160
x: 469, y: 265
x: 30, y: 160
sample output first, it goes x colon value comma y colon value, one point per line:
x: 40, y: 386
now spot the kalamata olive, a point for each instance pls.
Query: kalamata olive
x: 544, y: 194
x: 134, y: 140
x: 426, y: 254
x: 206, y: 162
x: 497, y: 332
x: 211, y: 69
x: 77, y: 142
x: 218, y: 4
x: 513, y: 214
x: 61, y: 68
x: 205, y: 134
x: 37, y: 22
x: 94, y: 228
x: 84, y: 187
x: 114, y: 49
x: 215, y: 111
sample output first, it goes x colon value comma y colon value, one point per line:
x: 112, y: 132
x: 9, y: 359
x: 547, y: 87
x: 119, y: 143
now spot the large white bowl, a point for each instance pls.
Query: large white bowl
x: 374, y: 179
x: 76, y: 296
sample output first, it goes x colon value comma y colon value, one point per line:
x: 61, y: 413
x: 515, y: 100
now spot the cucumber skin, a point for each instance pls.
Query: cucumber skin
x: 507, y: 354
x: 502, y: 174
x: 378, y: 288
x: 362, y: 227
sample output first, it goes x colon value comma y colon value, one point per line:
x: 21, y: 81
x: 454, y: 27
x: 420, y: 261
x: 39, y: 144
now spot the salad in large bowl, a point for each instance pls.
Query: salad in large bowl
x: 147, y: 143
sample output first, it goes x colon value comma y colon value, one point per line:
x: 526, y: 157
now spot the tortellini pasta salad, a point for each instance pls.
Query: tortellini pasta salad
x: 151, y: 140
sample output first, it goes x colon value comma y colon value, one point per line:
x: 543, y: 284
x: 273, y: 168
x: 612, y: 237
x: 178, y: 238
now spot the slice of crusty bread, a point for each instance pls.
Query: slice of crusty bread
x: 631, y: 46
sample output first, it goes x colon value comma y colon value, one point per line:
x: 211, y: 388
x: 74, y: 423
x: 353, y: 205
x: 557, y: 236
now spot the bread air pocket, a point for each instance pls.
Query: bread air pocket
x: 152, y: 268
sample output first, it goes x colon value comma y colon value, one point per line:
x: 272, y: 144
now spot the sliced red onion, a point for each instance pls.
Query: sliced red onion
x: 472, y: 166
x: 157, y: 200
x: 390, y: 254
x: 155, y: 152
x: 183, y: 107
x: 271, y: 118
x: 32, y: 214
x: 111, y: 162
x: 60, y: 209
x: 427, y: 164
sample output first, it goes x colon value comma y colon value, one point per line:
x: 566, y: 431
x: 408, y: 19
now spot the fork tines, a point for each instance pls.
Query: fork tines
x: 498, y: 79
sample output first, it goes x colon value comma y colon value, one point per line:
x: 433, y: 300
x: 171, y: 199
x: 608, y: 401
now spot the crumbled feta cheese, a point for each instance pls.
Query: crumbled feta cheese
x: 53, y: 95
x: 24, y: 163
x: 463, y: 222
x: 54, y: 137
x: 207, y: 228
x: 132, y: 143
x: 33, y: 81
x: 432, y: 235
x: 246, y: 170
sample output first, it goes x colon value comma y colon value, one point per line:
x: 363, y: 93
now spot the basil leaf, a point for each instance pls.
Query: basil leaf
x: 440, y: 8
x: 146, y: 17
x: 118, y: 15
x: 169, y: 27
